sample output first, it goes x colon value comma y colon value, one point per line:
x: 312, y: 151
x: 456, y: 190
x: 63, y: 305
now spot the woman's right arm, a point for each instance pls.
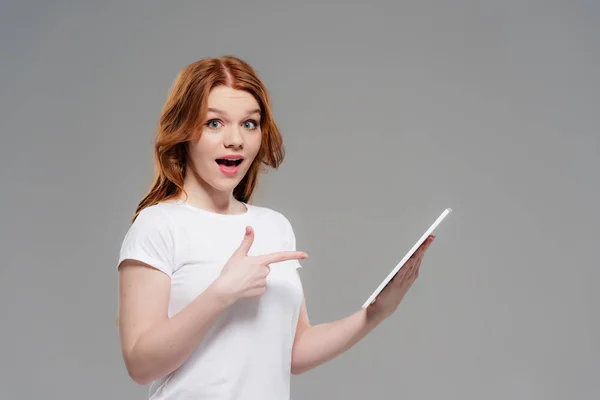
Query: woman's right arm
x: 152, y: 344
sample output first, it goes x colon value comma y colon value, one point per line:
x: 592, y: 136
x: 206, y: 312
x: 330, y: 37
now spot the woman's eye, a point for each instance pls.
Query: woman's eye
x: 251, y: 124
x: 213, y: 124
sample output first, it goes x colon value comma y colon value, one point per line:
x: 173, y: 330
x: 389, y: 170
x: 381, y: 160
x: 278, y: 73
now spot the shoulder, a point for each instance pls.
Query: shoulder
x: 150, y: 239
x: 151, y: 222
x: 155, y: 213
x: 152, y: 219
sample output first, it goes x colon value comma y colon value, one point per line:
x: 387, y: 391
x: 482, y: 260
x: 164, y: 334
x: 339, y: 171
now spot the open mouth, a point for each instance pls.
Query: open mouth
x: 229, y: 162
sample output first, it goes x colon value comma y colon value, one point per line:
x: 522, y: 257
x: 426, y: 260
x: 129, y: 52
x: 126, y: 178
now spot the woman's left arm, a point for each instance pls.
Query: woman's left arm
x: 315, y: 345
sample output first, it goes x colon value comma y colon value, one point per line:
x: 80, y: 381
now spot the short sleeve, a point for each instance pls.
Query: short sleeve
x: 150, y: 240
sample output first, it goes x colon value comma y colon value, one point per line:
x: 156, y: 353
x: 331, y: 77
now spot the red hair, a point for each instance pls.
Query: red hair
x: 183, y: 115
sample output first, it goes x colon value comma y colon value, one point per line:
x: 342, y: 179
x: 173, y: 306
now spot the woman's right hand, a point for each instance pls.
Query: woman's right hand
x: 245, y: 276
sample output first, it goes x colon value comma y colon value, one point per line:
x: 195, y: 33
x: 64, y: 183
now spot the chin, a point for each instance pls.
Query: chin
x: 225, y: 185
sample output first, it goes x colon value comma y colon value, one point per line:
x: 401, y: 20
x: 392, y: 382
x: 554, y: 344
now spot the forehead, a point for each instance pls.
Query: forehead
x: 231, y: 101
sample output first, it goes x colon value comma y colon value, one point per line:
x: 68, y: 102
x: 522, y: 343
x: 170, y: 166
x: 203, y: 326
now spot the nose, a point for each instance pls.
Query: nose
x: 233, y: 138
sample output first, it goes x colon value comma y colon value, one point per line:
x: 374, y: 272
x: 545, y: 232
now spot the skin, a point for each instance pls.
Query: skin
x: 154, y: 345
x: 233, y: 128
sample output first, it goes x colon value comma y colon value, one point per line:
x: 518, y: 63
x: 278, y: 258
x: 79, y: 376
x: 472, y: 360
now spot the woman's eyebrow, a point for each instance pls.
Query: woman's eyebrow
x: 216, y: 110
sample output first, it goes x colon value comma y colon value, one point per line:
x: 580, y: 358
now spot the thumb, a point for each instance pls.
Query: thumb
x: 246, y: 242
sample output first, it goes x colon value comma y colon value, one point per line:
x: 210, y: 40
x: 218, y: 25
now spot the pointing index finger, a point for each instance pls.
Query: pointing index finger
x: 283, y: 256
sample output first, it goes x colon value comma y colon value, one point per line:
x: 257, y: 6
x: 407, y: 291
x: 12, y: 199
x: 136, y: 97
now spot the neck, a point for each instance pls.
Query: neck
x: 202, y: 195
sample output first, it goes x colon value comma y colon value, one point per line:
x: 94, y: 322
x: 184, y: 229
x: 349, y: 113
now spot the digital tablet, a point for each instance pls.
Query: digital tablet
x: 388, y: 278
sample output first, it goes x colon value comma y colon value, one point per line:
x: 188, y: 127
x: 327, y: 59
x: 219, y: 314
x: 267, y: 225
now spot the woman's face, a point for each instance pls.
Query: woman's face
x: 230, y: 138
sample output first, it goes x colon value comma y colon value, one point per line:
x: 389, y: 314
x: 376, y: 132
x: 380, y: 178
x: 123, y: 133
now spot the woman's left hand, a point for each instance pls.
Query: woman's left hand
x: 389, y: 299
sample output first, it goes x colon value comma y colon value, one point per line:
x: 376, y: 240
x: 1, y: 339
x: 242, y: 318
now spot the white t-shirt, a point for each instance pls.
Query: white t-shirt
x: 246, y: 353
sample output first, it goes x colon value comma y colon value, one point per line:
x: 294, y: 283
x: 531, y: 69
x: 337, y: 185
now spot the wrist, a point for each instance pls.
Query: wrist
x: 220, y: 292
x: 375, y: 316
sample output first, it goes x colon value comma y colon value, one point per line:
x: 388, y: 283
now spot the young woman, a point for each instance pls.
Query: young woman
x: 211, y: 304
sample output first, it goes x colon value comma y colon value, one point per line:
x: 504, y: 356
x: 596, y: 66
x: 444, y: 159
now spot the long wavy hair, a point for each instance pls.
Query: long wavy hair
x: 184, y: 113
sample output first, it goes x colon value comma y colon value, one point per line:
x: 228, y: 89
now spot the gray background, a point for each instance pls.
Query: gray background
x: 390, y: 112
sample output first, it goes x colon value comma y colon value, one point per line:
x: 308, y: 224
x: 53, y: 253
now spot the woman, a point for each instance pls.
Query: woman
x: 211, y: 304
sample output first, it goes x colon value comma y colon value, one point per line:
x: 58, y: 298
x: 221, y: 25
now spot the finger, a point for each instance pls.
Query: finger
x: 402, y: 271
x: 410, y: 270
x: 415, y: 275
x: 415, y: 261
x: 409, y: 278
x: 282, y: 256
x: 426, y: 243
x: 421, y: 251
x: 419, y: 260
x: 417, y: 268
x: 258, y: 291
x: 425, y: 249
x: 397, y: 281
x: 401, y: 275
x: 246, y: 242
x: 430, y: 240
x: 429, y: 243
